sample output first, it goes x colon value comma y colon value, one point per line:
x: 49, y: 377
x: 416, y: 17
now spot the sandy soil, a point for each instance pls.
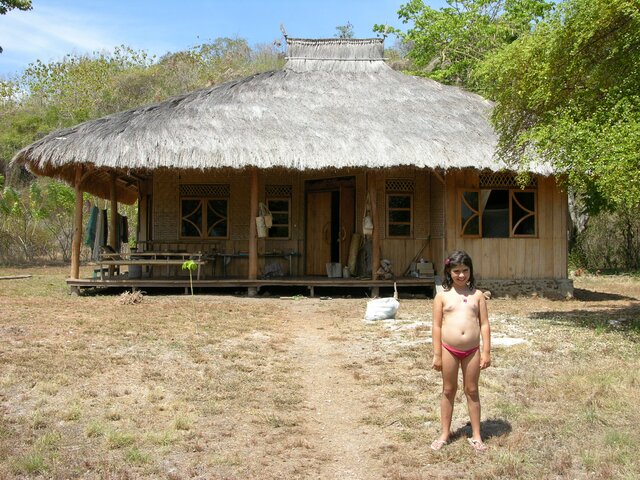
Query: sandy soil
x: 282, y: 388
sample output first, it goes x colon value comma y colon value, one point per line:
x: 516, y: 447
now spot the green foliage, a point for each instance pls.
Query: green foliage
x: 190, y: 265
x: 344, y: 31
x: 611, y: 242
x: 449, y: 43
x: 79, y: 88
x: 36, y: 221
x: 6, y: 5
x: 569, y: 94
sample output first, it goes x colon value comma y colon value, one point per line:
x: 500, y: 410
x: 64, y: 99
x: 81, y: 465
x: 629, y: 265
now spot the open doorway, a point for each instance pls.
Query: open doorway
x: 330, y: 220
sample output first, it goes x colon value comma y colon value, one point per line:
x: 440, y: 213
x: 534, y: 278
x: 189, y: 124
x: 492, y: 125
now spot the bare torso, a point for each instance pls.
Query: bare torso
x: 461, y: 319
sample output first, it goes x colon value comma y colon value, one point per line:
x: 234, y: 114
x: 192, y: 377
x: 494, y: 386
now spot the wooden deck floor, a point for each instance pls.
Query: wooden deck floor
x: 252, y: 286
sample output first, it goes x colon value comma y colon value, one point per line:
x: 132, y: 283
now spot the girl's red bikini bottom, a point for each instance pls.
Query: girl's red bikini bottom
x: 460, y: 353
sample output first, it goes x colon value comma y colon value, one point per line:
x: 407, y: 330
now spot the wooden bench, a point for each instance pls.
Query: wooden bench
x: 148, y: 259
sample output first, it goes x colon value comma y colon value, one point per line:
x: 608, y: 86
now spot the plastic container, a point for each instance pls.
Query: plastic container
x: 334, y: 270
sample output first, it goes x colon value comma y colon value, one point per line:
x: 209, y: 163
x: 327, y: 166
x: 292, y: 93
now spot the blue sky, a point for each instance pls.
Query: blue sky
x: 55, y: 28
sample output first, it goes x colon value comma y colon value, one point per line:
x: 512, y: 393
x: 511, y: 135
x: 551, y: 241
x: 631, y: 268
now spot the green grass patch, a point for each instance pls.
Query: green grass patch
x: 115, y: 439
x: 33, y: 463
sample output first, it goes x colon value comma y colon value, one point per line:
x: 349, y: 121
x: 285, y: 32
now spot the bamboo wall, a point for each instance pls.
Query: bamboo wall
x: 435, y: 221
x: 401, y: 252
x: 510, y: 258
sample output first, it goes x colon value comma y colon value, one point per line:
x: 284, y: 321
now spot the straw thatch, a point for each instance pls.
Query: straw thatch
x: 335, y: 104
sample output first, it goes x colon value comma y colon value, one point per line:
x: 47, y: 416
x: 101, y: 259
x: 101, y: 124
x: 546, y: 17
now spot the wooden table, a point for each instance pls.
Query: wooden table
x: 150, y: 259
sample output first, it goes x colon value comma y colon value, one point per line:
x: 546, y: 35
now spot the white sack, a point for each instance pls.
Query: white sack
x: 381, y: 309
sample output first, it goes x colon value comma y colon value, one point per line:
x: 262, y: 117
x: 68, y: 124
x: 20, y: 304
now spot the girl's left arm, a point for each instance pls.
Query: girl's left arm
x: 485, y: 332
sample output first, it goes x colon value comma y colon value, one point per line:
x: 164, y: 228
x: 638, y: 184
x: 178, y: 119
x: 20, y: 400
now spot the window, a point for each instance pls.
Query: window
x: 399, y: 207
x: 204, y: 211
x: 498, y: 212
x: 279, y: 204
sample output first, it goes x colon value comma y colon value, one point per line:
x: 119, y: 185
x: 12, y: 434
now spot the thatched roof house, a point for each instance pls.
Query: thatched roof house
x: 335, y: 104
x: 335, y: 110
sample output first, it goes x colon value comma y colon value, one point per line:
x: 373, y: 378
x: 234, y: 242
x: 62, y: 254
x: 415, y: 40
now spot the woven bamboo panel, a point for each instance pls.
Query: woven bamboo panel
x: 400, y: 185
x: 503, y: 180
x: 165, y: 205
x: 204, y: 190
x: 437, y: 208
x: 421, y: 206
x: 239, y: 208
x: 274, y: 191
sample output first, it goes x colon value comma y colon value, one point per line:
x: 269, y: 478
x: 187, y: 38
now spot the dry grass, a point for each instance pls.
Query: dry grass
x: 97, y: 387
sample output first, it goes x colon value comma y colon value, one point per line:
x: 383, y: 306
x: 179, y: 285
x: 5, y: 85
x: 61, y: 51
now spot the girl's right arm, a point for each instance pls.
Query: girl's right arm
x: 436, y: 333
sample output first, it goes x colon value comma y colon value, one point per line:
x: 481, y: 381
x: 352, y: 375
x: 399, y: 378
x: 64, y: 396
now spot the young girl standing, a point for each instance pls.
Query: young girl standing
x: 460, y: 319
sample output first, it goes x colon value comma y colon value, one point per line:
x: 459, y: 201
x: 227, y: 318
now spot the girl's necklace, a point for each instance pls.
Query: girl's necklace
x: 464, y: 296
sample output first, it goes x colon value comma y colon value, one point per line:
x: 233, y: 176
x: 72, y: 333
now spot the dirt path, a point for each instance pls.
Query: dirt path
x: 336, y: 406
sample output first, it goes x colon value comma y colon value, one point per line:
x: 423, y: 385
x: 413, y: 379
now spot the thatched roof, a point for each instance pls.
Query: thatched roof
x: 334, y: 104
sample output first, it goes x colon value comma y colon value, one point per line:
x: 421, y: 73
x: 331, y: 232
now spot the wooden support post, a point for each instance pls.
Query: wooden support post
x: 113, y: 227
x: 375, y: 236
x: 253, y: 233
x: 77, y: 226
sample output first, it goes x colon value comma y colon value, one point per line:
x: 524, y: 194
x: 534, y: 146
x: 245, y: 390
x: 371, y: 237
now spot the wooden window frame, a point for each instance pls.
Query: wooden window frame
x: 288, y: 225
x: 534, y: 213
x: 479, y: 212
x: 204, y: 227
x: 410, y: 210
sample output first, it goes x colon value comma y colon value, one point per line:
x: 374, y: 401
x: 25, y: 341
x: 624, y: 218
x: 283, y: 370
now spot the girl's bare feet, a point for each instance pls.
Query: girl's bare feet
x: 477, y: 445
x: 438, y: 444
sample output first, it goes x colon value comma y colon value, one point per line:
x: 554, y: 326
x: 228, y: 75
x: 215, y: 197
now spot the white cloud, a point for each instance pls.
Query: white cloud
x: 47, y: 33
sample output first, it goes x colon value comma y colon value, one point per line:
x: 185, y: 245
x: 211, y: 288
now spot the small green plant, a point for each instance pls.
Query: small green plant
x: 191, y: 266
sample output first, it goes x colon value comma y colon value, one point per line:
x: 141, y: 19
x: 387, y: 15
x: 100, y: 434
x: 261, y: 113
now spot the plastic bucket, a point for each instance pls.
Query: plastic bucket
x: 334, y: 270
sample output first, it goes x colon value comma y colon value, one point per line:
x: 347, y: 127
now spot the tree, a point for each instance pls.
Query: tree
x: 6, y: 5
x: 36, y: 221
x: 568, y: 94
x: 449, y: 43
x: 344, y: 31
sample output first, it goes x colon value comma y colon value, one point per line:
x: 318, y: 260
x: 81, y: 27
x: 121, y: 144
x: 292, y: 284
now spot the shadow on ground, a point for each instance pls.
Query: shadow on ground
x: 619, y: 319
x: 489, y: 428
x: 593, y: 296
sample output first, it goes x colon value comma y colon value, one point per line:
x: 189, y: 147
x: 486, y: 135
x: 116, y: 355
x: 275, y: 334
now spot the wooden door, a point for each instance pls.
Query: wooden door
x: 318, y: 238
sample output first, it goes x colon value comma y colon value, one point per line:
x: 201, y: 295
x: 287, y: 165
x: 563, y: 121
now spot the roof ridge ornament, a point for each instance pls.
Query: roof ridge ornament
x: 284, y: 32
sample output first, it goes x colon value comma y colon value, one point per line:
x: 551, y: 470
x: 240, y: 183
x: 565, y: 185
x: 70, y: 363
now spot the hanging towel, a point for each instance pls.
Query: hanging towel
x: 105, y: 228
x: 118, y: 232
x: 90, y: 236
x: 124, y: 232
x: 102, y: 231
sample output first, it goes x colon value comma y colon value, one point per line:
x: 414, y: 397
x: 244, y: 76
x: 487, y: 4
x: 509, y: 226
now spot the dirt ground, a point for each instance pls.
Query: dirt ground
x: 231, y: 387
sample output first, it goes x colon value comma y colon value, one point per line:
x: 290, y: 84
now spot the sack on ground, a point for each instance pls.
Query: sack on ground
x: 381, y: 309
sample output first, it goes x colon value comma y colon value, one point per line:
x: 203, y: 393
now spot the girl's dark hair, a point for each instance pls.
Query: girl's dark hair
x: 457, y: 258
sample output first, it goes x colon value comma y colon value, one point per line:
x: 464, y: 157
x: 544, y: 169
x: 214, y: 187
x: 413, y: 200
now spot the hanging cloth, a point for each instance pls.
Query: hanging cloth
x: 118, y: 232
x: 90, y: 236
x: 102, y: 232
x: 367, y: 219
x: 264, y: 212
x: 124, y: 230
